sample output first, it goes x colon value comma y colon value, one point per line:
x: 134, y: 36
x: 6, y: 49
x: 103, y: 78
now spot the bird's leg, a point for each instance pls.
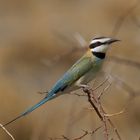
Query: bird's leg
x: 83, y: 86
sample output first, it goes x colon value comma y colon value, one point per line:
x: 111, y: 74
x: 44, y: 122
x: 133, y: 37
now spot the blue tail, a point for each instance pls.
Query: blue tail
x: 36, y: 106
x: 30, y: 109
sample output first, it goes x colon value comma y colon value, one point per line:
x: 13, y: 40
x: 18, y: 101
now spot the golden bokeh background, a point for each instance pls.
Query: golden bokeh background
x: 34, y: 35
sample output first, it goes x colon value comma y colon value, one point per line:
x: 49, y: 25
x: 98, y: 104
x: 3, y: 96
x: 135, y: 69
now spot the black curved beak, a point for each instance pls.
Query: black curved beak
x: 112, y: 40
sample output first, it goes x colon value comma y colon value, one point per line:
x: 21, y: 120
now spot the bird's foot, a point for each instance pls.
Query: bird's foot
x: 84, y: 87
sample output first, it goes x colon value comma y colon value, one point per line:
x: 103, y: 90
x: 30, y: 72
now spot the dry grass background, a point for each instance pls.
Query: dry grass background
x: 32, y: 33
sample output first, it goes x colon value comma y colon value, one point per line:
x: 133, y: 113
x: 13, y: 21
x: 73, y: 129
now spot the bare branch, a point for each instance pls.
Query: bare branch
x: 115, y: 114
x: 106, y: 88
x: 114, y: 128
x: 7, y: 132
x: 82, y: 136
x: 106, y: 79
x: 110, y: 122
x: 96, y: 104
x: 89, y: 94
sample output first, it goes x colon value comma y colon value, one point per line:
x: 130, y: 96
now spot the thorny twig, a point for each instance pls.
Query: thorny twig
x: 91, y: 101
x: 82, y: 136
x: 111, y: 123
x: 100, y: 108
x: 87, y: 133
x: 96, y: 104
x: 104, y: 117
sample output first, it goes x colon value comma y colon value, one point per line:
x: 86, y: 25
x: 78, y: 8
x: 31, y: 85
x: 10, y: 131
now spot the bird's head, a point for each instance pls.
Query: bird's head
x: 101, y: 44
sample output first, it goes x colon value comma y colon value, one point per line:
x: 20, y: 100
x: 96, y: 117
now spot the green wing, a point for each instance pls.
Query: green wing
x: 80, y: 68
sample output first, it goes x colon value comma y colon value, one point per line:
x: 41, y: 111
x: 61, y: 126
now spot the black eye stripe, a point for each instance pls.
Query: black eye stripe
x: 96, y: 44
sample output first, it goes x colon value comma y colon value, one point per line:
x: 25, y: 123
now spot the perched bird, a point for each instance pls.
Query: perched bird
x: 82, y: 72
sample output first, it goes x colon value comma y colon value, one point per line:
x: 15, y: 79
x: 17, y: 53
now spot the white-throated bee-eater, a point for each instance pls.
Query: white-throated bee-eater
x: 81, y: 73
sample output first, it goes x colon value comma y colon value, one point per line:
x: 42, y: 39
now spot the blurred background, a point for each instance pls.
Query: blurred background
x: 35, y: 40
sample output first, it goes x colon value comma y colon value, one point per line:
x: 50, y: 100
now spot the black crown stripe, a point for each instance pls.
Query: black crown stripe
x: 99, y: 37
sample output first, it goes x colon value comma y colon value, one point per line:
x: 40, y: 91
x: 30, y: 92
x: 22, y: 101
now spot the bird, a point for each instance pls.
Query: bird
x: 79, y: 75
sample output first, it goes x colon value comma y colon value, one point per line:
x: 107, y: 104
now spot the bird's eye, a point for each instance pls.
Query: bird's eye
x: 96, y: 44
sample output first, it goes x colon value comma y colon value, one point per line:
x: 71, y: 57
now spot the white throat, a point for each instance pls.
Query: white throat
x: 102, y: 48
